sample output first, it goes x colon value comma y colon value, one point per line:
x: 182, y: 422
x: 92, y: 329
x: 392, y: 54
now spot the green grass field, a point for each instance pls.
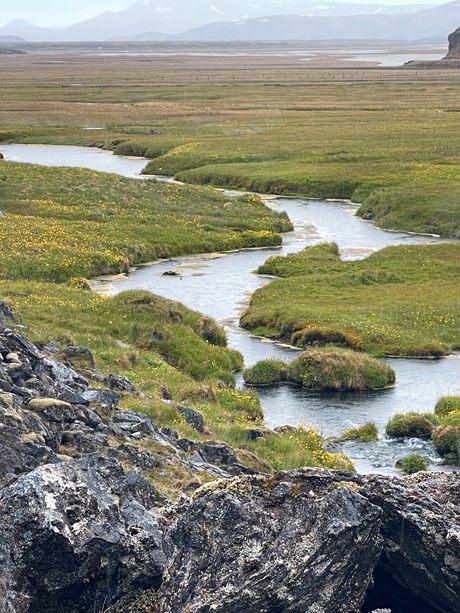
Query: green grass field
x: 400, y: 301
x: 61, y: 223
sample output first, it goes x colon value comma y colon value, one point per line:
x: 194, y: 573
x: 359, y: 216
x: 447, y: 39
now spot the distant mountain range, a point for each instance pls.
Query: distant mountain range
x: 251, y: 20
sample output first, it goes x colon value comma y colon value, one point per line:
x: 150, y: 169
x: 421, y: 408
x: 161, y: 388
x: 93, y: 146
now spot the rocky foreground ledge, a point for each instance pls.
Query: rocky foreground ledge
x: 83, y: 530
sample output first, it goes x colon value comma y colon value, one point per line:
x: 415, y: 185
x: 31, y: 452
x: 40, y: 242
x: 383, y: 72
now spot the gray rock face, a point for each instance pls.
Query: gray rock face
x: 309, y: 540
x: 254, y: 545
x: 421, y: 531
x: 79, y: 534
x: 73, y: 536
x: 454, y: 45
x: 192, y: 417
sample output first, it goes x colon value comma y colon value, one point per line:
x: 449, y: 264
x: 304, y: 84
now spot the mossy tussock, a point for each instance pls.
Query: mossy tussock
x: 266, y: 372
x: 364, y: 433
x: 412, y: 424
x: 413, y: 463
x: 328, y: 369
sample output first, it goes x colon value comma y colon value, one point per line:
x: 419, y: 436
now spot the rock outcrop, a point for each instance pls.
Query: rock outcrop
x: 76, y: 535
x: 84, y: 529
x: 454, y: 45
x: 421, y: 531
x: 254, y: 544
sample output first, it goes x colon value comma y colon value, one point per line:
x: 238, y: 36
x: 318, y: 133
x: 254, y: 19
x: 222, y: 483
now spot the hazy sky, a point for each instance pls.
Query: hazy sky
x: 65, y: 12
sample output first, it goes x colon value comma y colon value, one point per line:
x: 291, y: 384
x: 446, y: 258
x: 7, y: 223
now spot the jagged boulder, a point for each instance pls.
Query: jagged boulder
x: 258, y: 544
x: 74, y: 537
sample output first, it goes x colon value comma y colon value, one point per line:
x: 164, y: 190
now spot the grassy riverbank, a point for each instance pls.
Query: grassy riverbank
x: 61, y: 223
x: 175, y: 356
x: 378, y: 305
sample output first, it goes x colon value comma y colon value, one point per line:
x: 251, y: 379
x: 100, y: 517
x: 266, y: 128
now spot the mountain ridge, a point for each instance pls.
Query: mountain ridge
x: 293, y: 20
x: 144, y: 20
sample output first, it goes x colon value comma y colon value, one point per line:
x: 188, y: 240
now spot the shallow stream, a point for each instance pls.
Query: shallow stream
x: 220, y: 285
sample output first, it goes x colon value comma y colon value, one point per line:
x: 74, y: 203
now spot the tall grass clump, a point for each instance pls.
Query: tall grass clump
x: 446, y: 405
x: 336, y: 369
x: 364, y: 433
x: 328, y: 369
x: 419, y: 425
x: 413, y: 463
x: 266, y: 372
x: 446, y: 439
x: 300, y: 446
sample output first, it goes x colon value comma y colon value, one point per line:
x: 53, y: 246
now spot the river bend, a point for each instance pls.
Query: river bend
x: 220, y: 285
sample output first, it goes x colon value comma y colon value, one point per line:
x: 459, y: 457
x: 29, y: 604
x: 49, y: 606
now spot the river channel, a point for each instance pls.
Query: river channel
x: 220, y: 285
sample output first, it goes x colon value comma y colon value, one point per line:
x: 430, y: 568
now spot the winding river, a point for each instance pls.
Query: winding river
x: 220, y: 285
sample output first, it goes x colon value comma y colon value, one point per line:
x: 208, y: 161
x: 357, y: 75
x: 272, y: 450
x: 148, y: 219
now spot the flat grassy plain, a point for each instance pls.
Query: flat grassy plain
x: 267, y: 121
x: 264, y: 119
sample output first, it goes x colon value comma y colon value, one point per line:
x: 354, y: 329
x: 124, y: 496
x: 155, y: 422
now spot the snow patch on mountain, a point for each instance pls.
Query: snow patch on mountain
x: 216, y: 10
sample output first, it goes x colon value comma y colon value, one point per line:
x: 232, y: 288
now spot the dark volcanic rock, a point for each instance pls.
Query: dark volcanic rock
x: 5, y: 311
x: 119, y: 382
x: 421, y: 530
x: 192, y: 417
x: 454, y: 45
x: 218, y: 453
x: 84, y: 353
x: 104, y: 397
x: 73, y: 537
x: 257, y: 545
